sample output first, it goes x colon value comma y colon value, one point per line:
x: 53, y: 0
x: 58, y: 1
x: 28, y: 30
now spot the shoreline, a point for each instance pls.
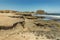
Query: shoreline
x: 27, y: 27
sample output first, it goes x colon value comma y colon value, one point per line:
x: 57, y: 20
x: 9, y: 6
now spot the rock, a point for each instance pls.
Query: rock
x: 40, y: 12
x: 19, y: 26
x: 8, y: 21
x: 31, y: 17
x: 7, y: 11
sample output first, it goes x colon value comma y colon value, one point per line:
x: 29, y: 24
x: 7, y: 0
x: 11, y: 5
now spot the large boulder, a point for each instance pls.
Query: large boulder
x: 40, y: 12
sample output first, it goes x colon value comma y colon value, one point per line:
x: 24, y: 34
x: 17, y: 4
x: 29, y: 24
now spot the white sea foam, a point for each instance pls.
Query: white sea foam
x: 57, y: 17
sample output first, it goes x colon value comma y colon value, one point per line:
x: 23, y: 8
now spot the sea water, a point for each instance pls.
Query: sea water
x: 53, y: 14
x: 49, y: 16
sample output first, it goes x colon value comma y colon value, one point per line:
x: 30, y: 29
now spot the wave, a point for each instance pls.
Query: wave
x: 49, y: 16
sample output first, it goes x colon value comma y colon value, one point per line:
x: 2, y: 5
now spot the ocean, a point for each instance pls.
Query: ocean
x: 57, y: 14
x: 49, y: 16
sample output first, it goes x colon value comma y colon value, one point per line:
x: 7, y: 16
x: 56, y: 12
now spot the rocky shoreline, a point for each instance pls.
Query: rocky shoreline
x: 27, y: 27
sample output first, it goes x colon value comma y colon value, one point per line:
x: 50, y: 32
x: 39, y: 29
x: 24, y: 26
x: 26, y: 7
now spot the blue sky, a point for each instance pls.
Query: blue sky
x: 51, y: 6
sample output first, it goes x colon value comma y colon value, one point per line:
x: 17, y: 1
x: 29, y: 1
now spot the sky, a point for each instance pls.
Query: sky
x: 50, y: 6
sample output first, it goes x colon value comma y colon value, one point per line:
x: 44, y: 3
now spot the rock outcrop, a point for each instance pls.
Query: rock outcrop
x: 40, y: 12
x: 7, y: 11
